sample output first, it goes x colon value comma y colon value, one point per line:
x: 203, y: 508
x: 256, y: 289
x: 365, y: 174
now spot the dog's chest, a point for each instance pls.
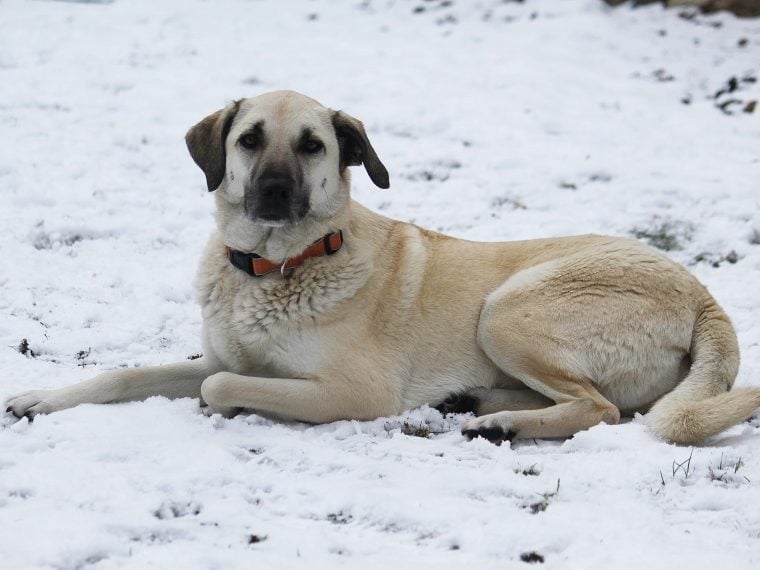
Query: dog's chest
x: 272, y: 322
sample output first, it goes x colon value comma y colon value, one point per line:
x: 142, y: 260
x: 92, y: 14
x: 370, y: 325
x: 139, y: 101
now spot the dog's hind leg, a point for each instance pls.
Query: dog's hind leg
x: 534, y: 351
x: 578, y: 406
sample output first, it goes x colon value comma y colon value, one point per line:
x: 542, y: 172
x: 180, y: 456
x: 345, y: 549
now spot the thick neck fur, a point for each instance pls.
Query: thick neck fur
x: 309, y: 291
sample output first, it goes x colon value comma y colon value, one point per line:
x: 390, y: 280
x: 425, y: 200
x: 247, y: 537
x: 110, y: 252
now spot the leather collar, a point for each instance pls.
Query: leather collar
x: 257, y: 266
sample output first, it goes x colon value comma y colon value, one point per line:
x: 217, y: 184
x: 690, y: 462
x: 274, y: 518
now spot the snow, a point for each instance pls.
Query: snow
x: 497, y: 121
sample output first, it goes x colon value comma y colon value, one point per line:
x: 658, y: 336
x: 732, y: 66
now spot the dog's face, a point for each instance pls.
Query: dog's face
x: 279, y: 160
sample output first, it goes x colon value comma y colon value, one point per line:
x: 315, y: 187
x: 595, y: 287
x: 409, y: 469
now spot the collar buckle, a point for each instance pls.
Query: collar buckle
x: 241, y: 260
x: 329, y: 249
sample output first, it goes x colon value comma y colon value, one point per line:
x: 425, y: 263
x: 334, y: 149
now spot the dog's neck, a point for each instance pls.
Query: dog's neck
x: 284, y: 242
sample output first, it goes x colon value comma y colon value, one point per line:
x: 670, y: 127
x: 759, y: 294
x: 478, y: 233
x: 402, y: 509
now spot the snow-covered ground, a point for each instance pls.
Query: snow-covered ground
x: 497, y: 120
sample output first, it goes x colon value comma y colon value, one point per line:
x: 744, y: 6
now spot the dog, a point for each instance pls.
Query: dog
x: 317, y: 309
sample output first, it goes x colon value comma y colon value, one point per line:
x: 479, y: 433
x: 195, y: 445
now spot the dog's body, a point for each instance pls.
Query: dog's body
x: 545, y: 337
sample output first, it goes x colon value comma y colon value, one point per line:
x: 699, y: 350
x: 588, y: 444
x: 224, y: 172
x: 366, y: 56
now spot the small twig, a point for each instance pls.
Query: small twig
x: 688, y: 465
x: 680, y: 466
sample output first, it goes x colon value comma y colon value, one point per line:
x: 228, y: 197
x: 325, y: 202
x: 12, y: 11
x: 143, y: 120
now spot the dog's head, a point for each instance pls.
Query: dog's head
x: 280, y: 159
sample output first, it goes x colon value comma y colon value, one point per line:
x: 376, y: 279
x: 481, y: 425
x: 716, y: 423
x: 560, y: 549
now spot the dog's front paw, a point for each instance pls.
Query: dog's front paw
x: 495, y: 430
x: 31, y: 404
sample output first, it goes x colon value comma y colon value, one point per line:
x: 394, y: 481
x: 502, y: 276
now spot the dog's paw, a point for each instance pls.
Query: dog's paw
x: 226, y: 413
x: 458, y: 404
x: 495, y: 430
x: 30, y: 404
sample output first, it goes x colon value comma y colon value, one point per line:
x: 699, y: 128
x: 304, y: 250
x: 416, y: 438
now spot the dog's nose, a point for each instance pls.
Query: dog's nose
x: 276, y: 188
x: 274, y: 196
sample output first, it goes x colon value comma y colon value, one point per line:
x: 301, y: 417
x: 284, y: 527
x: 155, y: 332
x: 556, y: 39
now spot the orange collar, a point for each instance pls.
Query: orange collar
x: 257, y: 266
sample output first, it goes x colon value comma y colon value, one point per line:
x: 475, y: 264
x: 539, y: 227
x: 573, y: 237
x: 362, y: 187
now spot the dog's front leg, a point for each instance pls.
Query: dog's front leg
x: 308, y: 400
x: 179, y: 380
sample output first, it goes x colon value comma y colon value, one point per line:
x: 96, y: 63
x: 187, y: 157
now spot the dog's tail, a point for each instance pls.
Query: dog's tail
x: 702, y: 405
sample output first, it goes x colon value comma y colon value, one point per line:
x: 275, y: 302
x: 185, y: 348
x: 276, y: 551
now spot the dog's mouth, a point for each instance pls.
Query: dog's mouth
x: 270, y: 221
x: 274, y: 219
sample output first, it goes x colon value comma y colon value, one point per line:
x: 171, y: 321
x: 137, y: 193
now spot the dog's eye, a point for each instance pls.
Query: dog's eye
x: 312, y: 146
x: 249, y: 141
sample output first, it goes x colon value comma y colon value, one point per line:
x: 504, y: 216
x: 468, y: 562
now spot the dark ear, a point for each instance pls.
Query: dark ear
x: 205, y: 141
x: 356, y: 149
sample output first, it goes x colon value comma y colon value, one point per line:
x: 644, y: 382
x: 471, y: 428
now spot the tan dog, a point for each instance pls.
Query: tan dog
x: 364, y: 316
